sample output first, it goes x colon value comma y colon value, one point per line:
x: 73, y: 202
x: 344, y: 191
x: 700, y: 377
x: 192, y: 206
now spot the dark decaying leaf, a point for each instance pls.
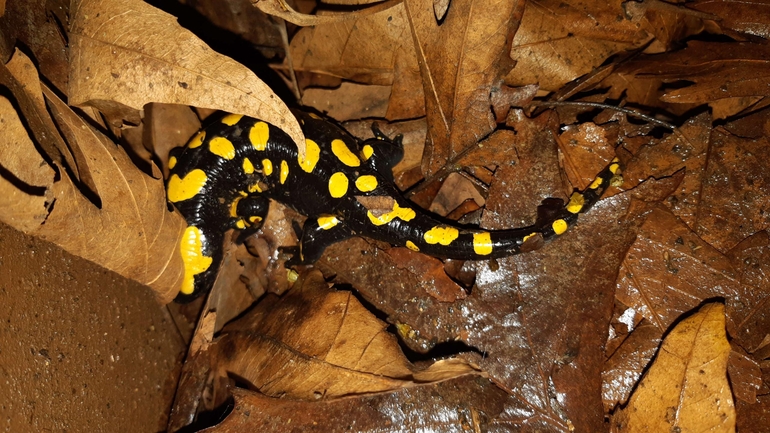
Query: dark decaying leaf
x: 463, y: 404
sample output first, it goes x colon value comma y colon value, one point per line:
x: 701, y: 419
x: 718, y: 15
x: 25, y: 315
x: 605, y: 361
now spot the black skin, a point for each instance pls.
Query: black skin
x: 308, y: 193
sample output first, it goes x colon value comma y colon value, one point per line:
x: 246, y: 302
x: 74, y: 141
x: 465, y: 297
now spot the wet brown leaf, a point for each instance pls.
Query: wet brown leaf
x: 686, y: 387
x: 736, y: 190
x: 463, y: 404
x: 624, y: 368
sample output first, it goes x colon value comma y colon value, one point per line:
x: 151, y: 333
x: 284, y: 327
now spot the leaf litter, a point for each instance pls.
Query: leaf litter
x: 602, y: 324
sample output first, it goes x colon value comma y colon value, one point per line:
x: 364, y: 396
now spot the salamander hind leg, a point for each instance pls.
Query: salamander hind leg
x: 318, y: 233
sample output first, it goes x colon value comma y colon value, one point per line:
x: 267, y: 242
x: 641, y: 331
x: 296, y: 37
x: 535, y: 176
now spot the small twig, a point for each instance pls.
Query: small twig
x: 627, y: 111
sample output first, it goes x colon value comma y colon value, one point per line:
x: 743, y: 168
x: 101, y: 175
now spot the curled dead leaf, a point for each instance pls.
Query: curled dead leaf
x: 126, y: 53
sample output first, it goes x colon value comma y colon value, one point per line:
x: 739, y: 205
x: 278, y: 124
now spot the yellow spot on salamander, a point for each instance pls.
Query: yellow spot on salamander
x: 559, y: 226
x: 223, y: 147
x: 255, y: 219
x: 527, y: 237
x: 284, y: 172
x: 338, y: 185
x: 172, y: 162
x: 366, y: 183
x: 231, y: 119
x: 187, y: 187
x: 258, y: 135
x: 267, y: 167
x: 234, y: 207
x: 255, y: 188
x: 403, y: 213
x: 614, y: 168
x: 240, y: 224
x: 412, y: 246
x: 596, y: 183
x: 312, y: 155
x: 482, y: 243
x: 367, y: 151
x: 441, y: 235
x: 327, y: 222
x: 197, y: 140
x: 191, y: 248
x: 576, y: 202
x: 248, y: 167
x: 341, y: 151
x: 314, y: 116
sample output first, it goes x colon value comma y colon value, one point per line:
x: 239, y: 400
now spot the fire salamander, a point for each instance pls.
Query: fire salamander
x: 224, y: 177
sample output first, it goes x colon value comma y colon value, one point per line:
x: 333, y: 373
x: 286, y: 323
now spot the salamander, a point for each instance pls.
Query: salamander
x: 225, y: 176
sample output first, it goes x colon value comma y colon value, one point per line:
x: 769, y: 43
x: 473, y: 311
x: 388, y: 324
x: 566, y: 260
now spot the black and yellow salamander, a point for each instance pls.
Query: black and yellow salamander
x: 224, y: 177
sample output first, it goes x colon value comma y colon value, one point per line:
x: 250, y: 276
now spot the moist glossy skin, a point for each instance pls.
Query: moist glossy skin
x: 226, y: 175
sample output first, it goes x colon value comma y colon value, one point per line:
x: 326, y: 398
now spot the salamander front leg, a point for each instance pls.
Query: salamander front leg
x: 318, y: 233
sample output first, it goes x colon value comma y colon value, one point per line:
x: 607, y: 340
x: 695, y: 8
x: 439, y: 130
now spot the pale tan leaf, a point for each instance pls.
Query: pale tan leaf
x: 20, y: 76
x: 126, y: 53
x: 686, y: 388
x: 283, y: 10
x: 23, y: 196
x: 131, y: 232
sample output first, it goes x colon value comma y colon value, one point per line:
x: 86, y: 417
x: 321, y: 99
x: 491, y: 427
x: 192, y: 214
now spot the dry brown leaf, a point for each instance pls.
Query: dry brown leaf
x: 462, y: 60
x: 749, y: 17
x: 686, y: 387
x: 728, y: 76
x: 20, y: 76
x: 36, y: 25
x: 283, y: 10
x: 126, y: 53
x: 316, y: 343
x: 372, y: 49
x: 131, y: 232
x: 559, y: 41
x: 349, y: 100
x: 23, y: 197
x: 455, y: 190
